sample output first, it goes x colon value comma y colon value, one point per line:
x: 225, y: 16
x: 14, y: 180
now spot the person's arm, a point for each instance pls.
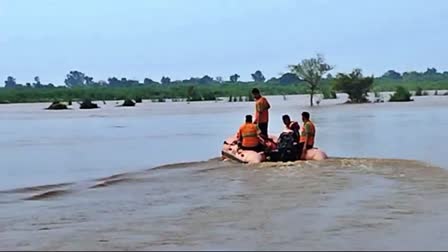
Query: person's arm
x: 303, y: 151
x: 257, y: 120
x: 239, y: 136
x: 296, y: 129
x: 306, y: 132
x: 257, y: 113
x: 261, y: 106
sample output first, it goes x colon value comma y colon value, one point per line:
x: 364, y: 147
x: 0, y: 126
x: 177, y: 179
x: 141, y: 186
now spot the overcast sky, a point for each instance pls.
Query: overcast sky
x: 184, y: 38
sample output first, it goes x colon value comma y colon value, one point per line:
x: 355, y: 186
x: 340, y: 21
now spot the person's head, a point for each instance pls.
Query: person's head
x: 256, y: 93
x: 305, y: 116
x: 286, y: 120
x: 248, y: 119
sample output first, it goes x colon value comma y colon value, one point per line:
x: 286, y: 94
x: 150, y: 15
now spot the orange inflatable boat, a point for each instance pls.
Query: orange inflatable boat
x: 230, y: 150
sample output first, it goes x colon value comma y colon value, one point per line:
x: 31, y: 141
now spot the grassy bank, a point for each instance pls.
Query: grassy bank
x: 190, y: 92
x: 391, y: 85
x: 155, y: 92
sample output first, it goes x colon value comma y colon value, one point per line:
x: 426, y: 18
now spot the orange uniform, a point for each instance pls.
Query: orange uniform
x: 262, y: 107
x: 248, y: 134
x: 308, y: 130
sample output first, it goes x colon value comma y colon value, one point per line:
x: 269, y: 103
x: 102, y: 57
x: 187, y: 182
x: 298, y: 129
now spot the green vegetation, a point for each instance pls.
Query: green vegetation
x: 401, y: 95
x: 419, y: 91
x: 154, y: 91
x: 431, y: 79
x: 376, y: 93
x: 355, y: 85
x: 328, y: 93
x: 304, y: 78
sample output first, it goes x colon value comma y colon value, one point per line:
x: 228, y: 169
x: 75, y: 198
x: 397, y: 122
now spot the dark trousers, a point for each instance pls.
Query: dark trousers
x: 258, y: 148
x: 301, y: 147
x: 264, y: 129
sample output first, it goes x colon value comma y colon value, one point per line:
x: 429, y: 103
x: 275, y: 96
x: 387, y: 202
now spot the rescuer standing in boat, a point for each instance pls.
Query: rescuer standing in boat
x: 262, y: 107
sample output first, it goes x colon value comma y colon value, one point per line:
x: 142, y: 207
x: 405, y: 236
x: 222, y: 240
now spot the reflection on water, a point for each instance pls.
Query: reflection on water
x: 42, y: 147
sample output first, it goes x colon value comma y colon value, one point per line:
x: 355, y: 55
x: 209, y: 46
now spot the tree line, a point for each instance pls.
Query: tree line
x: 308, y: 76
x: 79, y: 79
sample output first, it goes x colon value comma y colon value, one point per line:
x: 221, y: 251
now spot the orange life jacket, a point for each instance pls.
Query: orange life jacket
x: 308, y: 130
x: 248, y: 132
x: 262, y: 107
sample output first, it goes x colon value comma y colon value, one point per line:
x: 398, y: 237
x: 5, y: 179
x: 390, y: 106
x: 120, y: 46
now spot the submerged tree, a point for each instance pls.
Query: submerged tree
x: 354, y: 84
x: 311, y: 71
x: 419, y: 91
x: 401, y: 95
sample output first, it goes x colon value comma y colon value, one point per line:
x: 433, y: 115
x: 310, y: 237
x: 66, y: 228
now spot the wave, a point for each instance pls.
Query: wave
x: 111, y: 182
x: 48, y: 195
x: 391, y: 167
x: 37, y: 188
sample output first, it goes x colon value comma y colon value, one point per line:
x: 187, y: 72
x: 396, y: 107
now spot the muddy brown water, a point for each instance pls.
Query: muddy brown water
x: 94, y: 180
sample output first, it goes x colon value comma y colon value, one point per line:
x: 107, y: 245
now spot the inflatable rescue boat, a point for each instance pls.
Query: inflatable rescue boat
x: 230, y: 150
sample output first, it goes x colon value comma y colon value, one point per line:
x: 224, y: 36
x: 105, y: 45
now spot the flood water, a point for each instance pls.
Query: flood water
x: 368, y: 196
x: 43, y: 147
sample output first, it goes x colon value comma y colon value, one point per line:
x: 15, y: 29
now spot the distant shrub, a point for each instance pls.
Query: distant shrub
x: 419, y: 91
x: 355, y: 85
x: 57, y: 105
x: 401, y: 95
x: 329, y: 94
x: 88, y: 104
x: 208, y: 96
x: 377, y: 94
x: 128, y: 103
